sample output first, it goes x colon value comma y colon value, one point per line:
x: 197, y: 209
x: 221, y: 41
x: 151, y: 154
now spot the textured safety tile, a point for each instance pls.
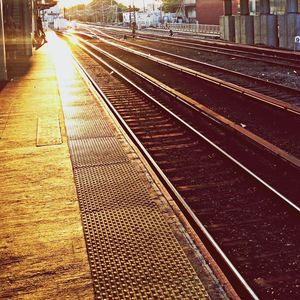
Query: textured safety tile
x: 75, y: 99
x: 97, y: 190
x: 90, y: 112
x: 133, y: 252
x: 84, y: 129
x: 96, y: 151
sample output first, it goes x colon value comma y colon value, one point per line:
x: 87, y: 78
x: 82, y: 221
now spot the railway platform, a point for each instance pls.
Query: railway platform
x: 82, y: 215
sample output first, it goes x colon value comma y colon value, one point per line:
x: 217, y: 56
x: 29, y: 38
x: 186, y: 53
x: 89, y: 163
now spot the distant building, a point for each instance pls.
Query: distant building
x: 51, y: 14
x: 154, y: 6
x: 190, y: 10
x: 209, y: 11
x: 143, y: 19
x: 151, y: 15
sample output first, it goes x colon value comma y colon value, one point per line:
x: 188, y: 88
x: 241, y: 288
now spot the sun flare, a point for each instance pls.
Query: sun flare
x: 69, y: 3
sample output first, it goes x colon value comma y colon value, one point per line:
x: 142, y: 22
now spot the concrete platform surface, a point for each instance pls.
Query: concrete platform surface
x: 42, y: 249
x: 119, y: 236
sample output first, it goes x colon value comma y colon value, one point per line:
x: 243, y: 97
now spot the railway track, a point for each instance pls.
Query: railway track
x: 266, y: 55
x: 266, y: 87
x: 249, y: 220
x: 278, y: 126
x: 216, y: 48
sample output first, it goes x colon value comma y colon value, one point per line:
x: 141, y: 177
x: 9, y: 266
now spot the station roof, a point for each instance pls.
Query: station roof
x: 45, y: 4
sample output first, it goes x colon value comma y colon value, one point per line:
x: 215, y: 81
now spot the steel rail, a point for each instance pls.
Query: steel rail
x: 279, y: 52
x: 276, y: 85
x: 276, y: 53
x: 223, y: 51
x: 230, y: 86
x: 153, y: 164
x: 216, y: 117
x: 262, y: 50
x: 183, y: 98
x: 230, y: 51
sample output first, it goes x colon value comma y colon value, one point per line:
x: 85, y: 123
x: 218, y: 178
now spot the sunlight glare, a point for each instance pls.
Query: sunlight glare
x: 73, y: 40
x: 69, y: 3
x: 62, y: 57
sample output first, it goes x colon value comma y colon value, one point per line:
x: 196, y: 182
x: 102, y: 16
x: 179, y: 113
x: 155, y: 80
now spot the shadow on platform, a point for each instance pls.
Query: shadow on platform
x: 3, y: 84
x: 17, y: 67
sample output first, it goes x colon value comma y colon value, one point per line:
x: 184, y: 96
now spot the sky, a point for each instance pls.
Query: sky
x: 68, y: 3
x: 137, y: 3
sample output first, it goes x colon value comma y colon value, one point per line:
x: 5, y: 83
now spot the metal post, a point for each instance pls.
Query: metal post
x: 291, y: 6
x: 264, y: 7
x: 3, y: 69
x: 34, y: 13
x: 111, y: 12
x: 134, y: 16
x: 27, y: 27
x: 130, y: 21
x: 102, y: 12
x: 244, y: 9
x: 227, y: 7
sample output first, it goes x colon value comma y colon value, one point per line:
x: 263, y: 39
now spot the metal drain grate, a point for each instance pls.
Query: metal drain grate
x: 48, y: 131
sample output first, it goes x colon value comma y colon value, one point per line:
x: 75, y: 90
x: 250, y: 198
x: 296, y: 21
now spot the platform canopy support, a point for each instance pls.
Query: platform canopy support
x: 265, y: 26
x: 244, y: 28
x: 227, y: 7
x: 291, y: 6
x: 3, y: 69
x: 244, y: 8
x: 264, y: 7
x: 227, y: 22
x: 27, y: 14
x: 289, y: 26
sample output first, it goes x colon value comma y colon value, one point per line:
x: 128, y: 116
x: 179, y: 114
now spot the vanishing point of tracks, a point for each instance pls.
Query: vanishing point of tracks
x: 229, y: 100
x: 256, y: 229
x: 261, y: 62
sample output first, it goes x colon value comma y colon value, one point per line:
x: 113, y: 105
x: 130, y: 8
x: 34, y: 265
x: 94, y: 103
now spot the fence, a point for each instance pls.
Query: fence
x: 197, y: 28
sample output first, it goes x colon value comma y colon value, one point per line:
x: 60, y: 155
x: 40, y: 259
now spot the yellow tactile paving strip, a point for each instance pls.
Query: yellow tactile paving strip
x: 42, y: 248
x: 133, y: 252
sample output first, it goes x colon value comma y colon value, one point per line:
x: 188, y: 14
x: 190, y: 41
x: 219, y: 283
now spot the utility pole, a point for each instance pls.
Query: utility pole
x: 180, y: 12
x: 111, y: 12
x: 134, y: 16
x: 102, y: 13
